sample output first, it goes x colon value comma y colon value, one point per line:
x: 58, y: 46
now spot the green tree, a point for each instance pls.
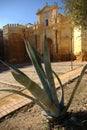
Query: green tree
x: 77, y: 9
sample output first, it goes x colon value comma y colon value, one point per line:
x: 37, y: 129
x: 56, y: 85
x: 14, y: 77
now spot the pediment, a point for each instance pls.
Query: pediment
x: 46, y: 9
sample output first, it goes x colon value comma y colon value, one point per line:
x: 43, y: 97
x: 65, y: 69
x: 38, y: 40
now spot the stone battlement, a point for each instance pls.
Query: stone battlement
x: 13, y: 28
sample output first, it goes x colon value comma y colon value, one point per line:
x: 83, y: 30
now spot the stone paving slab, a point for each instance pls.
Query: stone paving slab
x: 59, y: 68
x: 11, y: 102
x: 7, y: 80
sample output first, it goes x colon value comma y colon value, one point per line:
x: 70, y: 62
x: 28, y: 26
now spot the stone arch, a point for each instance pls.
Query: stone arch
x: 50, y: 46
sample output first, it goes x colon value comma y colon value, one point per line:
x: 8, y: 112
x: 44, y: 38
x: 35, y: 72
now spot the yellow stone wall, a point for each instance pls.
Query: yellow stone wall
x: 63, y: 39
x: 80, y: 44
x: 58, y: 33
x: 14, y: 48
x: 1, y: 45
x: 84, y: 45
x: 77, y: 41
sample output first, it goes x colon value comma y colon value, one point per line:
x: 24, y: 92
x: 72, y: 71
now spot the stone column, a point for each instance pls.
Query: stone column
x: 55, y: 43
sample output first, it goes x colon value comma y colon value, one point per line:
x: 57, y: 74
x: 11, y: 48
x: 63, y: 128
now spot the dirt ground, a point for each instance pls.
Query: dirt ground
x: 30, y: 117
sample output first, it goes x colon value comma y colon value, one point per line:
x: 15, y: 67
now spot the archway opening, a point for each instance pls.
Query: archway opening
x: 50, y: 47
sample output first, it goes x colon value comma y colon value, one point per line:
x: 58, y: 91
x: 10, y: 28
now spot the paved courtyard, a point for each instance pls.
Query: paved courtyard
x: 10, y: 102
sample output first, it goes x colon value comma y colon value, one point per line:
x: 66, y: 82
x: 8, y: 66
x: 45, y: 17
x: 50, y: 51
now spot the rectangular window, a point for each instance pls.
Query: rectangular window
x: 46, y: 22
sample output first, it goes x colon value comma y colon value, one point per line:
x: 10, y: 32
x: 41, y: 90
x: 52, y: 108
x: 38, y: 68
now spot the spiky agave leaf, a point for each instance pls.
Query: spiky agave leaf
x: 40, y: 58
x: 34, y: 56
x: 62, y: 91
x: 19, y: 93
x: 75, y: 88
x: 48, y: 70
x: 26, y: 96
x: 35, y: 90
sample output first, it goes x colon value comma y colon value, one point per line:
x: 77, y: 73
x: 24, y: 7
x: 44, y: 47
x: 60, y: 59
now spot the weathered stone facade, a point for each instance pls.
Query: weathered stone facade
x: 1, y: 45
x: 14, y: 48
x: 58, y: 30
x: 80, y: 44
x: 64, y: 41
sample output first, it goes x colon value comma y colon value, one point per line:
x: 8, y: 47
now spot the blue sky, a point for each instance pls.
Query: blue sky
x: 21, y: 11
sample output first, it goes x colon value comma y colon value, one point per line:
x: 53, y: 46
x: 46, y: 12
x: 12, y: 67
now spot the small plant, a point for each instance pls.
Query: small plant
x: 45, y: 96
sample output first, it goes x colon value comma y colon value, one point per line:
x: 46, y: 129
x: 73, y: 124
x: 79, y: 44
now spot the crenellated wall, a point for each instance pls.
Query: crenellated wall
x: 14, y: 44
x: 64, y: 41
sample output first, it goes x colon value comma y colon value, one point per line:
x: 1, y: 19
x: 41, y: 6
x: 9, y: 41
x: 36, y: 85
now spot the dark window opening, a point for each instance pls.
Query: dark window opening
x: 46, y: 22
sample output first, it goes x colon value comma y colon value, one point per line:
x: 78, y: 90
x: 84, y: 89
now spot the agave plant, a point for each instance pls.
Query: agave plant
x: 45, y: 96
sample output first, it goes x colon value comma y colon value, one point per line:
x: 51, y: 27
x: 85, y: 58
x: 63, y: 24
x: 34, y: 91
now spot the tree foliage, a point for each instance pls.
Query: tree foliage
x: 77, y: 9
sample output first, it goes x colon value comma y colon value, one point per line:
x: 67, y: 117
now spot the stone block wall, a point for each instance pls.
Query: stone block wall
x: 15, y: 51
x: 1, y: 45
x: 84, y: 45
x: 80, y: 44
